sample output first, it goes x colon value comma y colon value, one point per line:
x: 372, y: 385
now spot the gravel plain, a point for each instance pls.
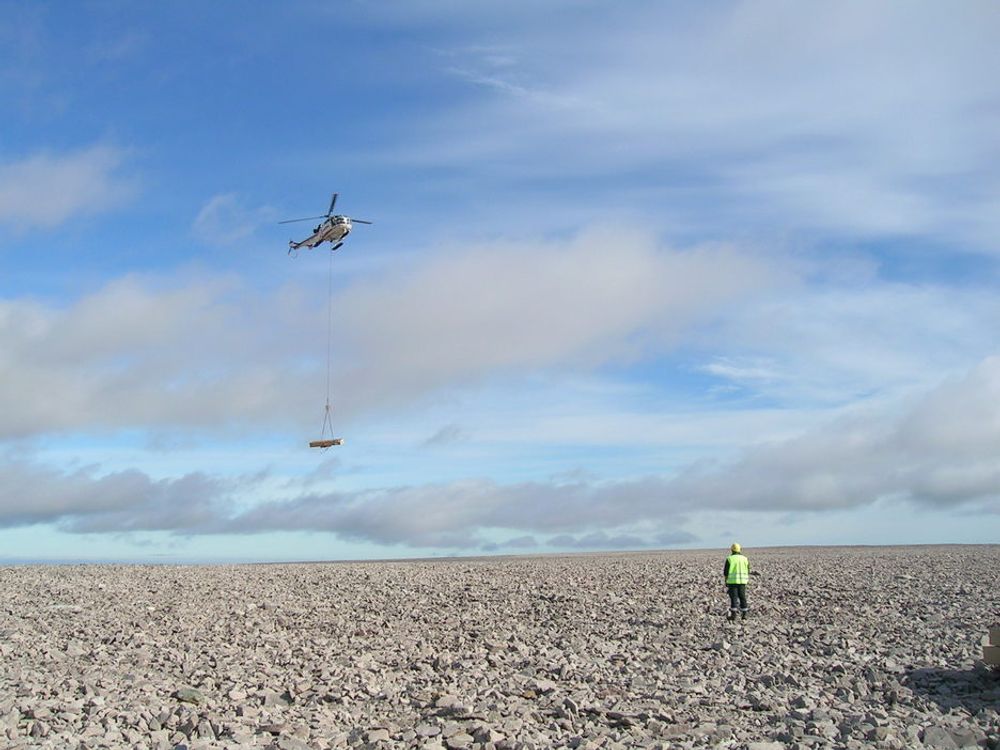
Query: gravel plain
x: 846, y: 647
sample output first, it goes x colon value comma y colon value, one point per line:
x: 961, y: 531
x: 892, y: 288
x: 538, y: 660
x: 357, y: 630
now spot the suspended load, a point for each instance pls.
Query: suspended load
x: 326, y: 443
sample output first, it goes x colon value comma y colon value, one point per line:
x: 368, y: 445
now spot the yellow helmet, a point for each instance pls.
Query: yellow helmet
x: 735, y: 548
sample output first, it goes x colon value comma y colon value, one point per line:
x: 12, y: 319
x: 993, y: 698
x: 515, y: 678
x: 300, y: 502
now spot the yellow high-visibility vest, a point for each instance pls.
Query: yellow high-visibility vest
x: 739, y: 569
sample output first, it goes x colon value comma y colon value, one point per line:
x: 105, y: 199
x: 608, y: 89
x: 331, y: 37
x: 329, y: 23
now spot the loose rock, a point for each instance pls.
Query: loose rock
x: 605, y: 651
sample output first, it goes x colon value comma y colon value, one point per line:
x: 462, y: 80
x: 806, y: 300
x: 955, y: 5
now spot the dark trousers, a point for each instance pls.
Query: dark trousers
x: 737, y: 596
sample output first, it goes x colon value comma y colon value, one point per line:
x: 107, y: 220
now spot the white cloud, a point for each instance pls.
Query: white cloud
x: 834, y: 343
x: 490, y: 310
x: 938, y: 449
x: 666, y: 537
x: 458, y: 514
x: 88, y: 500
x: 224, y: 220
x: 199, y: 355
x: 845, y: 117
x: 46, y: 189
x: 743, y: 370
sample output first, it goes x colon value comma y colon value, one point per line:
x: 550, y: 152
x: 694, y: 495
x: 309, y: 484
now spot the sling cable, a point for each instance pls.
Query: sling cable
x: 327, y: 440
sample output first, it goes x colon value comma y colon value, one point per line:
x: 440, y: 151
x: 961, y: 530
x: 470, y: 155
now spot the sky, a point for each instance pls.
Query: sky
x: 640, y: 275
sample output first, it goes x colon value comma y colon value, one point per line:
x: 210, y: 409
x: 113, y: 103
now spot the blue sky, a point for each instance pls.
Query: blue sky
x: 641, y: 275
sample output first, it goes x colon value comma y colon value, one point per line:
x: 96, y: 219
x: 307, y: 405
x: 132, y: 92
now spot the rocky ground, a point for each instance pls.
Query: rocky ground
x: 844, y: 648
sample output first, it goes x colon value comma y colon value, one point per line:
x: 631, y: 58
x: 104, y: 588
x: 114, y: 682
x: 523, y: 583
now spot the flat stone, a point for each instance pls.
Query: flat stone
x: 291, y: 743
x: 968, y: 737
x: 484, y: 735
x: 938, y: 738
x: 190, y: 695
x: 272, y: 698
x: 459, y: 740
x: 377, y: 735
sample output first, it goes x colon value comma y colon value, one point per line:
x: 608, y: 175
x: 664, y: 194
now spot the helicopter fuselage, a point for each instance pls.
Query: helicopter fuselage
x: 333, y: 230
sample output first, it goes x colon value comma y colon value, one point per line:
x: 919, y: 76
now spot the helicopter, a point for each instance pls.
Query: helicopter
x: 333, y: 229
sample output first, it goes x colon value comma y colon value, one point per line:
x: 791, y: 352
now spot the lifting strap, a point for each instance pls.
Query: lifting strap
x: 327, y: 420
x: 327, y: 440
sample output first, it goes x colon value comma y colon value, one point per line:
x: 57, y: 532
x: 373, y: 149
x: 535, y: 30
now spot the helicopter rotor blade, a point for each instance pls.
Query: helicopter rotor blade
x: 333, y: 202
x: 307, y: 218
x: 361, y: 221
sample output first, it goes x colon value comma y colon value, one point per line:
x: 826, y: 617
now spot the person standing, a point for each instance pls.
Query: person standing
x: 737, y: 573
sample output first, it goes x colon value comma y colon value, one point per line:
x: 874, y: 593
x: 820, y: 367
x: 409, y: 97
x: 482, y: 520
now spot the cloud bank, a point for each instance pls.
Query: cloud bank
x: 210, y: 354
x: 596, y: 300
x: 135, y: 354
x: 841, y: 118
x: 48, y: 189
x: 938, y: 450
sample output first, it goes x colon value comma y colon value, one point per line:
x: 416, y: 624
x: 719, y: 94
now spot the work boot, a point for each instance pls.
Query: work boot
x: 731, y: 616
x: 743, y: 615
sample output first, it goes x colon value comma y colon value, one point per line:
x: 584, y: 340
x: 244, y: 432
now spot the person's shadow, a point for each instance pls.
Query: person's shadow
x: 971, y: 689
